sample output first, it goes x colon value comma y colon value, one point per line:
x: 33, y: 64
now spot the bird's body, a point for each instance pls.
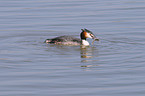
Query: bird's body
x: 64, y: 40
x: 69, y: 40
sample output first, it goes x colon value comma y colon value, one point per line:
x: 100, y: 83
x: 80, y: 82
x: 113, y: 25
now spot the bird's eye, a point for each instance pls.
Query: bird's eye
x: 91, y: 35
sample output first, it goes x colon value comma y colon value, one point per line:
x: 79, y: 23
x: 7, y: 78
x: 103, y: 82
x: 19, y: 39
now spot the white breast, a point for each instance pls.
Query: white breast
x: 84, y: 42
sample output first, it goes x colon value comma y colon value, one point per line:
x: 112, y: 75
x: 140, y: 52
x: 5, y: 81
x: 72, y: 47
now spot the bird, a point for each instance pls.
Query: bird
x: 69, y: 40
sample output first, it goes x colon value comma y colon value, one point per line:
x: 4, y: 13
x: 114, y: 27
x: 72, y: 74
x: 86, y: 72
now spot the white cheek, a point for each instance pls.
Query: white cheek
x: 88, y: 35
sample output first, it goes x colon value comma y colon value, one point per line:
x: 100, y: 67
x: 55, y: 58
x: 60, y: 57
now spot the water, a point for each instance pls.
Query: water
x: 114, y: 66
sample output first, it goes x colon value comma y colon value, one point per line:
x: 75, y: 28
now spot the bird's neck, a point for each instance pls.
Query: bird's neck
x: 85, y: 42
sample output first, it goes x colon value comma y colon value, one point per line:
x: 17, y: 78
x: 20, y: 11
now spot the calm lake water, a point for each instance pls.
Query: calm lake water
x: 114, y: 66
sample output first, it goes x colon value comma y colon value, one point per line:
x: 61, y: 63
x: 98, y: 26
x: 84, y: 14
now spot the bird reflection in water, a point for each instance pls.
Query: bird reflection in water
x: 87, y: 53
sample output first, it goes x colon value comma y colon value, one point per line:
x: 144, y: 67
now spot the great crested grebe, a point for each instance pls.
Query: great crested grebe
x: 69, y: 40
